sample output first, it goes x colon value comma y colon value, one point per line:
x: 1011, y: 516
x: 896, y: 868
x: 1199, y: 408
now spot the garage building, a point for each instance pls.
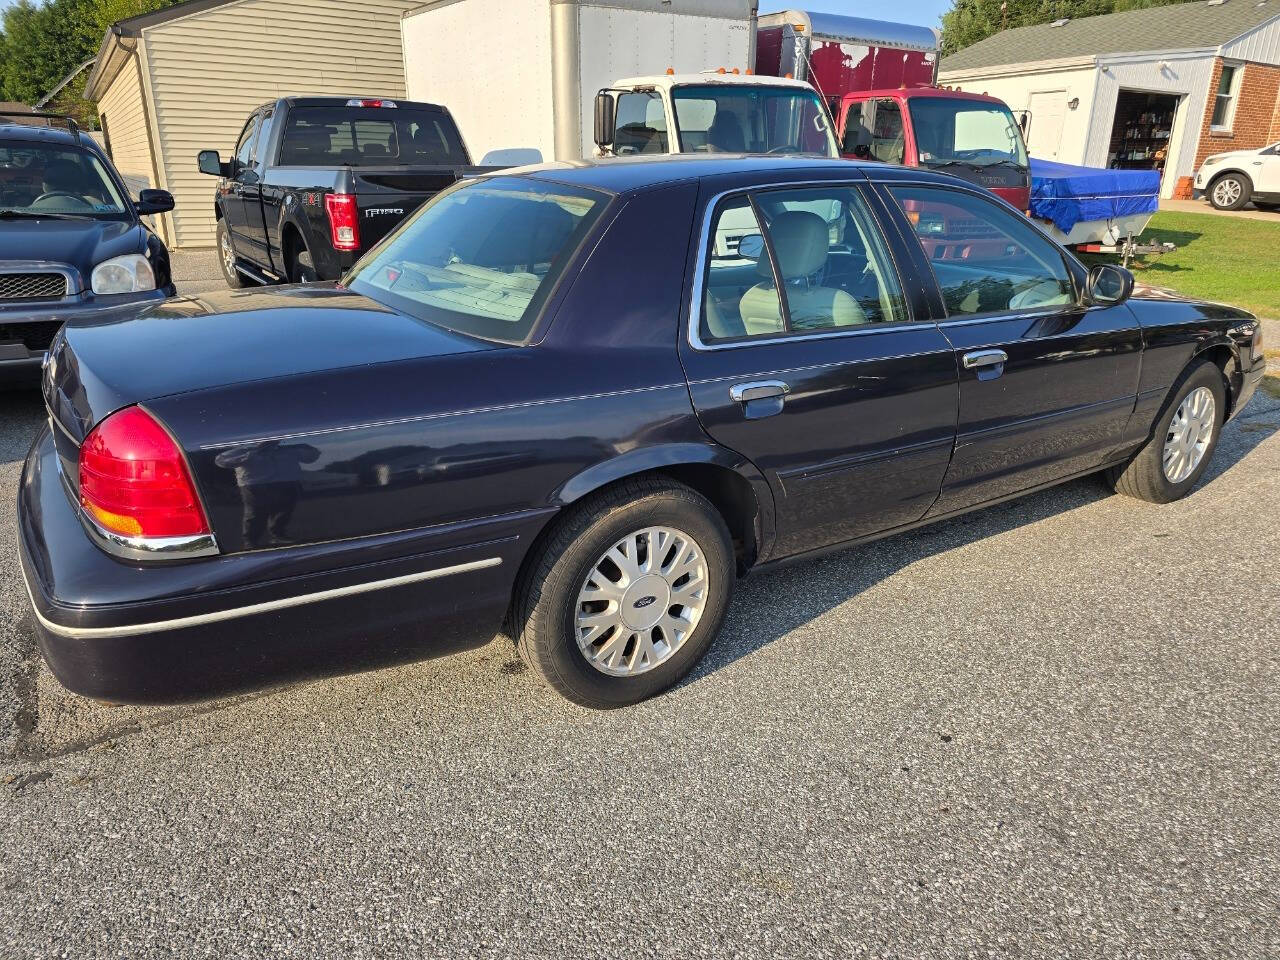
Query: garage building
x: 171, y: 83
x: 1157, y: 88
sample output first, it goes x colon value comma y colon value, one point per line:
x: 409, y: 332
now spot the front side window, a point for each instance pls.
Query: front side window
x: 796, y: 261
x: 56, y: 181
x: 985, y: 259
x: 641, y: 125
x: 952, y: 130
x: 888, y: 144
x: 728, y: 118
x: 244, y: 146
x: 1224, y: 101
x: 480, y: 259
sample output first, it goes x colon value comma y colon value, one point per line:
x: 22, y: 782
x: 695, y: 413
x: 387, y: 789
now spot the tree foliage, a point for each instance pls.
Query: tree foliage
x: 40, y: 43
x: 969, y: 21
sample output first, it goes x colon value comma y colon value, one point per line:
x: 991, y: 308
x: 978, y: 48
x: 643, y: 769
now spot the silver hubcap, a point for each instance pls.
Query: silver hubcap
x: 1226, y: 192
x: 228, y: 256
x: 641, y: 601
x: 1190, y: 431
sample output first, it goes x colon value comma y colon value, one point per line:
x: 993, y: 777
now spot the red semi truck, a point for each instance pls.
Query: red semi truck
x: 879, y: 80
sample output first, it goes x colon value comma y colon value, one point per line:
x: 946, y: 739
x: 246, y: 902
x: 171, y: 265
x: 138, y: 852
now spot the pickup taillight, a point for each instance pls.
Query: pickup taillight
x: 344, y: 221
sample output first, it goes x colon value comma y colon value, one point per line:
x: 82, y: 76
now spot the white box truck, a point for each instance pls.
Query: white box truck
x: 541, y: 74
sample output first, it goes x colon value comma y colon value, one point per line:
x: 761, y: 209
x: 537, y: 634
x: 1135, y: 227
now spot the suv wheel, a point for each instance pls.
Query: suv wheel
x: 1230, y: 191
x: 227, y: 259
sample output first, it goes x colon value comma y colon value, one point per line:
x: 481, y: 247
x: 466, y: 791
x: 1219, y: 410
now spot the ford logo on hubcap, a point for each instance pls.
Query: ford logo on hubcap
x: 644, y: 602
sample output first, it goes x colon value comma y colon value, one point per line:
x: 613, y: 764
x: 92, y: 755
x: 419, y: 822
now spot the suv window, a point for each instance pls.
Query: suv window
x: 798, y: 260
x: 986, y: 259
x: 641, y: 126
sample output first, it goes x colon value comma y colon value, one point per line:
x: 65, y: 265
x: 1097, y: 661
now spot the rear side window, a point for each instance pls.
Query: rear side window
x: 481, y: 259
x: 986, y: 259
x: 369, y: 136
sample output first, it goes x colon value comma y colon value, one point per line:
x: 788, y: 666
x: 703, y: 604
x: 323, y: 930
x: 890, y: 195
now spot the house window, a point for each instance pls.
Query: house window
x: 1224, y: 102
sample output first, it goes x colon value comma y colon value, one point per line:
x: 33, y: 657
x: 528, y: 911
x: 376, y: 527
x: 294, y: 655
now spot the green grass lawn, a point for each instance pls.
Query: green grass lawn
x: 1229, y: 259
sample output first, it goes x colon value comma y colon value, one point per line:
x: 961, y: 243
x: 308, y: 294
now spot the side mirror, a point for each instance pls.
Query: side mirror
x: 1109, y: 284
x: 606, y: 117
x: 209, y: 162
x: 154, y: 201
x: 751, y: 246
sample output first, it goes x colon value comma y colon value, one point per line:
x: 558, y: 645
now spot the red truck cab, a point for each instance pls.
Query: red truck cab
x: 969, y: 135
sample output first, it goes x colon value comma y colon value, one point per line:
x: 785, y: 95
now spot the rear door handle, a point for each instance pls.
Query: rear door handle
x: 758, y: 390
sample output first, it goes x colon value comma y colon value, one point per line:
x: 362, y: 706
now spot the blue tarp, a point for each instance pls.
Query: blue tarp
x: 1068, y: 195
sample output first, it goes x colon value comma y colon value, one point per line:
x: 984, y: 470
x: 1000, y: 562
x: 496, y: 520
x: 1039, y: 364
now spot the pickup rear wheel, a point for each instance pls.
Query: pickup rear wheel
x: 626, y: 594
x: 1186, y: 435
x: 227, y: 259
x: 302, y: 267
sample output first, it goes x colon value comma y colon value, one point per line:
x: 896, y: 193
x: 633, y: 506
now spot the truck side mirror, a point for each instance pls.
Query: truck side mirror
x: 606, y: 116
x: 209, y: 162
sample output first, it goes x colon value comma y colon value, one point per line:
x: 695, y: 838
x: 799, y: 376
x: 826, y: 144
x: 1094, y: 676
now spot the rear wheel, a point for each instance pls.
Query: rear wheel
x: 1230, y: 191
x: 626, y: 595
x: 227, y: 259
x: 1186, y: 435
x: 302, y: 267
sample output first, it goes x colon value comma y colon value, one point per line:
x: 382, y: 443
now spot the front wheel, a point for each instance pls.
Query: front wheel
x: 1186, y: 435
x: 1230, y: 192
x: 626, y: 595
x: 227, y: 259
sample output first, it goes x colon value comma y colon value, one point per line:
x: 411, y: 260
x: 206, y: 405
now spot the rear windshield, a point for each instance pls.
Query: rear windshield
x: 481, y: 259
x: 368, y: 136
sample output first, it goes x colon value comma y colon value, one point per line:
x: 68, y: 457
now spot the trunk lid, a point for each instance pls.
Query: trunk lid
x: 115, y: 358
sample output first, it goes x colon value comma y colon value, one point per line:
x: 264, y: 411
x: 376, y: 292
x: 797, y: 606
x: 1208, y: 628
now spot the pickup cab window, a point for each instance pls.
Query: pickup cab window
x: 336, y: 135
x: 482, y: 258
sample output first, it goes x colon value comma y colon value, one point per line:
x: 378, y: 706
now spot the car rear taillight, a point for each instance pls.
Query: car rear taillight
x: 344, y: 222
x: 134, y: 481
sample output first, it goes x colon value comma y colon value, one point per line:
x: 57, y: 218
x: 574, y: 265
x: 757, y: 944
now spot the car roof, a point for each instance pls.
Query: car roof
x: 627, y: 174
x: 57, y: 135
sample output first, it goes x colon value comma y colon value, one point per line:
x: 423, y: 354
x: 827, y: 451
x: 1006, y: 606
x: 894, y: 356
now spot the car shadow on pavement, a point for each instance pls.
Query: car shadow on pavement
x: 771, y: 604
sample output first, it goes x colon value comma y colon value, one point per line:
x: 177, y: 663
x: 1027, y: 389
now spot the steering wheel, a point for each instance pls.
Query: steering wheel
x: 63, y: 194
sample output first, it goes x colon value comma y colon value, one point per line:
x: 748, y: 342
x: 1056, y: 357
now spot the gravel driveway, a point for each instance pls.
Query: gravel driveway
x: 1043, y: 730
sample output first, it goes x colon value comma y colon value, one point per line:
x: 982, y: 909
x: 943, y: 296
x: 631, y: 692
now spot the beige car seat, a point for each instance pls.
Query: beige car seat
x: 800, y: 240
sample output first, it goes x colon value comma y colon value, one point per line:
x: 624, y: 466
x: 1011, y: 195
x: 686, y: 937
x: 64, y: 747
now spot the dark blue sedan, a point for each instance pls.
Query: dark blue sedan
x: 578, y: 402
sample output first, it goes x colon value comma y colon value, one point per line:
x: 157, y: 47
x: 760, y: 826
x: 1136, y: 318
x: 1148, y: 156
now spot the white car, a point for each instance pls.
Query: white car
x: 1230, y: 180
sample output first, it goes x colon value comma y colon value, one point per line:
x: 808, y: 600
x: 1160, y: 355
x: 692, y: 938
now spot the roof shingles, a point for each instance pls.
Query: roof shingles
x: 1180, y: 26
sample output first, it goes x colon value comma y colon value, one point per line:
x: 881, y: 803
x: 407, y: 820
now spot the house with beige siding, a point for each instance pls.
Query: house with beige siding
x: 172, y: 83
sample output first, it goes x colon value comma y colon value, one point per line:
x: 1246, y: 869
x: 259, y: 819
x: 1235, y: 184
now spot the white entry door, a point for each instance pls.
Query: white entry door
x: 1048, y: 110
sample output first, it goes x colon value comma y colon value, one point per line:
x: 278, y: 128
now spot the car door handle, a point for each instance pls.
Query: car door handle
x: 984, y: 358
x: 758, y: 390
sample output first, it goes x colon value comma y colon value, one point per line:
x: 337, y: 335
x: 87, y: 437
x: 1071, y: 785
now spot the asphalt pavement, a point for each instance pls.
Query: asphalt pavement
x: 1047, y: 729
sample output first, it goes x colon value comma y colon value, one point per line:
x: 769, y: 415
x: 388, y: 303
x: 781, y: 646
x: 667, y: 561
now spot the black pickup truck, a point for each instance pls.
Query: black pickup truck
x: 313, y: 182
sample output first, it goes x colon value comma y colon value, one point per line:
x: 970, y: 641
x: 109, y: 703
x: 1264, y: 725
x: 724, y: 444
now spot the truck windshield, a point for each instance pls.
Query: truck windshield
x: 974, y: 132
x: 369, y: 136
x: 480, y: 259
x: 55, y: 181
x: 733, y: 118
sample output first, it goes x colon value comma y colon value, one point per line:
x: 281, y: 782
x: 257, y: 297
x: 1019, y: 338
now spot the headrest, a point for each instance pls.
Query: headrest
x: 801, y: 240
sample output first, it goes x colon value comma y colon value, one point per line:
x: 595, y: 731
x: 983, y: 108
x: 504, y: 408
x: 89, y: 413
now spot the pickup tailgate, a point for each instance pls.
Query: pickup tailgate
x: 385, y: 196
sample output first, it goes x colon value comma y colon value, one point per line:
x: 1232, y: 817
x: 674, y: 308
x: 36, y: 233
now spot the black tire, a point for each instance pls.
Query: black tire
x: 1231, y: 191
x: 1144, y: 476
x: 302, y: 266
x: 226, y: 259
x: 546, y: 600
